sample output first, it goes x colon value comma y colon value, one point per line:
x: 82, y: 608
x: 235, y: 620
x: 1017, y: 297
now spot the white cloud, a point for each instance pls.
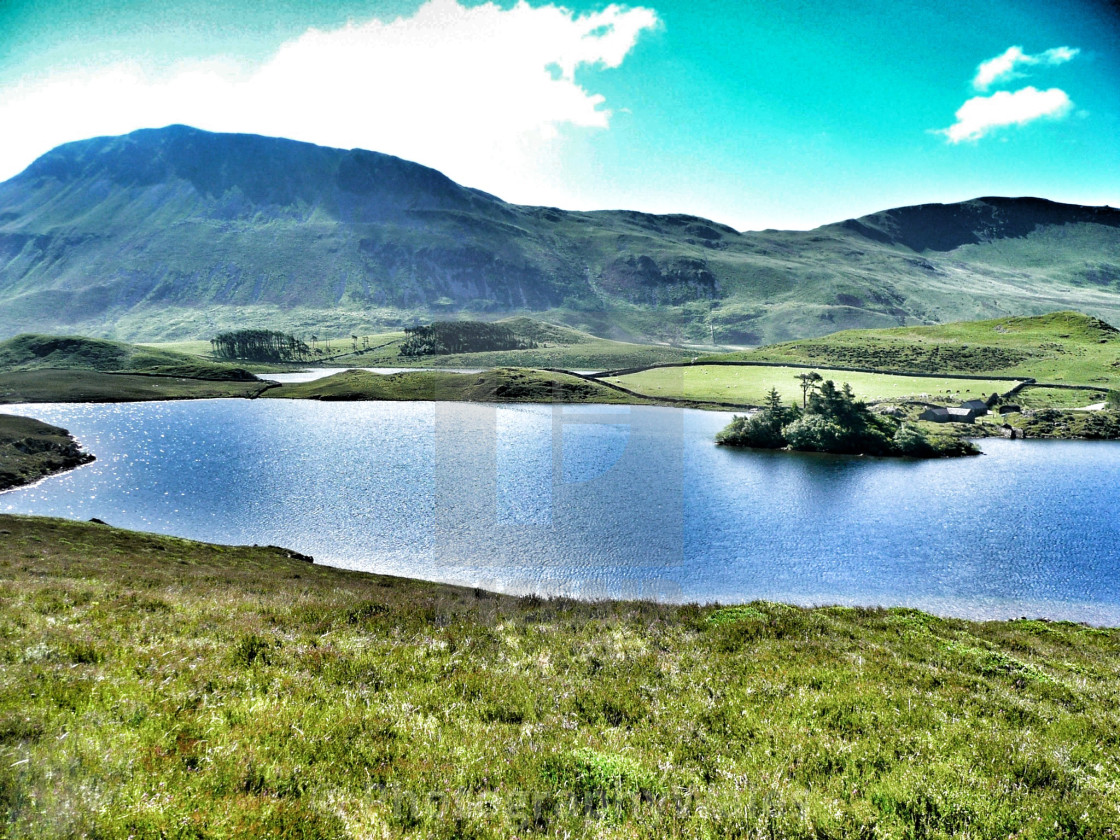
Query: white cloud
x: 1004, y: 67
x: 983, y: 114
x: 480, y: 92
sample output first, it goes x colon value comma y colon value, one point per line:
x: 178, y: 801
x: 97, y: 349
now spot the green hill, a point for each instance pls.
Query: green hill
x: 1061, y: 347
x: 70, y: 352
x: 175, y: 233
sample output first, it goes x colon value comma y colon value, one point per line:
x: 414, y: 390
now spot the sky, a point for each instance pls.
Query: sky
x: 783, y: 114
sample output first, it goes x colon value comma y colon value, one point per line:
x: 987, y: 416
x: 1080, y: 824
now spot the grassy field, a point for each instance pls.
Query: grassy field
x: 498, y: 385
x: 155, y: 687
x: 94, y: 386
x: 750, y: 384
x: 1033, y: 397
x: 31, y: 449
x: 1063, y: 347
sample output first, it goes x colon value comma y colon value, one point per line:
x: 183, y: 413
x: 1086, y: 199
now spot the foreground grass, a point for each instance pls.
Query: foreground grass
x: 750, y: 384
x: 155, y: 687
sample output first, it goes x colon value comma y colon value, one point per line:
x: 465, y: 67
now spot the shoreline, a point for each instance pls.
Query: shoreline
x: 95, y: 526
x: 32, y: 451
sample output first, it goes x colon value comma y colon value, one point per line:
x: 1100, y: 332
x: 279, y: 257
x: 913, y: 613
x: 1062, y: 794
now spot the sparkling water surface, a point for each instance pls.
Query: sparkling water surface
x: 597, y: 501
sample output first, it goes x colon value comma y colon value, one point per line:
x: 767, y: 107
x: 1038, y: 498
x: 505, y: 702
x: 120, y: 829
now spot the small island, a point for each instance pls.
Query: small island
x: 832, y: 420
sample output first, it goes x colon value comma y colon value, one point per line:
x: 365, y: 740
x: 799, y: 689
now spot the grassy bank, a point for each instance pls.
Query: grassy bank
x: 498, y: 385
x: 154, y: 687
x: 26, y: 386
x: 31, y: 449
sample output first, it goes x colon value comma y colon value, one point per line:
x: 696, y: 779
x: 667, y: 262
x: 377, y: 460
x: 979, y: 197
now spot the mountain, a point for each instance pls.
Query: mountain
x: 179, y: 233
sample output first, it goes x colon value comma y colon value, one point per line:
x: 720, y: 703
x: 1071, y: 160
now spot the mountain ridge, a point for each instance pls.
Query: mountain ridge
x: 177, y: 232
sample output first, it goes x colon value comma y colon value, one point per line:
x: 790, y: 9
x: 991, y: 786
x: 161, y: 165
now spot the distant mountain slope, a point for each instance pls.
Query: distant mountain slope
x: 947, y: 227
x: 179, y: 233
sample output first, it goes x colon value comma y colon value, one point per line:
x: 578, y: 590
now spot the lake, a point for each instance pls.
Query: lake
x: 597, y: 501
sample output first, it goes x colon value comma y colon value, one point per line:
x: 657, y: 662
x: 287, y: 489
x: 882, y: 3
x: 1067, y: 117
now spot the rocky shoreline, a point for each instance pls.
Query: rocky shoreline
x: 31, y: 450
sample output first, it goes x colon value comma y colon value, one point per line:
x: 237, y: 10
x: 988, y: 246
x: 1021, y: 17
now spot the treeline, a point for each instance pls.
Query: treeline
x: 832, y: 420
x: 260, y: 346
x: 445, y: 337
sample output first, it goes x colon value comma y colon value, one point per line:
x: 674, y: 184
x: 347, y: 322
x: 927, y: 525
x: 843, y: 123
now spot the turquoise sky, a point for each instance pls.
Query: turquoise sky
x: 780, y: 114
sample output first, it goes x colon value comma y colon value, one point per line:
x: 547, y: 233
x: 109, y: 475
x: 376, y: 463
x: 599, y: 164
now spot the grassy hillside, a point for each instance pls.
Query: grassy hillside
x: 71, y: 352
x: 498, y: 385
x: 94, y: 386
x: 165, y: 234
x: 155, y: 687
x: 31, y: 449
x: 1060, y: 347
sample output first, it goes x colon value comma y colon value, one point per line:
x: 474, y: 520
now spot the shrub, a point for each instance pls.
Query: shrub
x: 757, y: 432
x: 911, y: 442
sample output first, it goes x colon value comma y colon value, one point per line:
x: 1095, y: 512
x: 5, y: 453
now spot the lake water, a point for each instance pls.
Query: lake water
x: 597, y: 501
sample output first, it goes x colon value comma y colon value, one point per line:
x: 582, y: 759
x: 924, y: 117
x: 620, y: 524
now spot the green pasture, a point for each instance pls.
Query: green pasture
x: 1065, y: 398
x: 749, y: 384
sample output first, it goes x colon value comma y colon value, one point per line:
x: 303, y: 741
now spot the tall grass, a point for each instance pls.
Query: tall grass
x: 154, y: 687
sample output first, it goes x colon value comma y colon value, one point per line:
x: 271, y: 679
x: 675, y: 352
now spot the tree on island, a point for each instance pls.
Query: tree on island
x: 834, y: 421
x: 762, y: 430
x: 808, y: 382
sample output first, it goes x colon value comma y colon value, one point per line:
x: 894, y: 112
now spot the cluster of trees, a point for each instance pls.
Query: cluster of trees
x: 259, y: 346
x: 831, y: 419
x: 444, y: 337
